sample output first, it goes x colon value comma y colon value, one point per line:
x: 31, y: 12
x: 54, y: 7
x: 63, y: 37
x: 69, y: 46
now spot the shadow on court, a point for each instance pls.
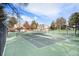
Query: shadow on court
x: 39, y: 41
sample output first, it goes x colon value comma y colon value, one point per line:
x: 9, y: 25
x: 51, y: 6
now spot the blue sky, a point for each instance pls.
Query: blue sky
x: 46, y: 12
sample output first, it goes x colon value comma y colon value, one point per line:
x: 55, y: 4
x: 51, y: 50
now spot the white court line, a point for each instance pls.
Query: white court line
x: 44, y: 36
x: 4, y: 50
x: 34, y: 40
x: 11, y: 38
x: 30, y: 42
x: 6, y: 44
x: 40, y: 42
x: 49, y: 37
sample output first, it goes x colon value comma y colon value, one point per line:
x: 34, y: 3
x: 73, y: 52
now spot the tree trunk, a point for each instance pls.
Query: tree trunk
x: 75, y: 31
x: 75, y: 28
x: 3, y: 30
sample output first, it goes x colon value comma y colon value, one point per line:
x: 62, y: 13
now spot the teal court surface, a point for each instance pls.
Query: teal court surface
x: 52, y: 43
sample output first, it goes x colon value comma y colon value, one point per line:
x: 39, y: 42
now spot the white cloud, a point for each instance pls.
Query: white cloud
x: 45, y: 9
x: 29, y: 19
x: 26, y: 18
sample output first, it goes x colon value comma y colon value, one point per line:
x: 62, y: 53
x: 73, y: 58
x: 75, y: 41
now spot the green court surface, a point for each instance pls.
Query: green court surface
x: 52, y: 43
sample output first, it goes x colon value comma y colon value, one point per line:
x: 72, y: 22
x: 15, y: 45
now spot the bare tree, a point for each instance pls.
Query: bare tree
x: 34, y: 25
x: 60, y: 22
x: 26, y: 25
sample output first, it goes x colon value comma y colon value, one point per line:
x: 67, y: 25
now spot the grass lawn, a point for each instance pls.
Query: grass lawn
x: 52, y: 43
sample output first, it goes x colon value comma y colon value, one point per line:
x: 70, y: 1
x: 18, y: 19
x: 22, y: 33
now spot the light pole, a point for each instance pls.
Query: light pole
x: 67, y: 27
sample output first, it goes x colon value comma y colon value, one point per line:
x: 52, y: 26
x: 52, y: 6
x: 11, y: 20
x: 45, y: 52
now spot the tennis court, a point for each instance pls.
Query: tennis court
x: 40, y: 40
x: 53, y: 43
